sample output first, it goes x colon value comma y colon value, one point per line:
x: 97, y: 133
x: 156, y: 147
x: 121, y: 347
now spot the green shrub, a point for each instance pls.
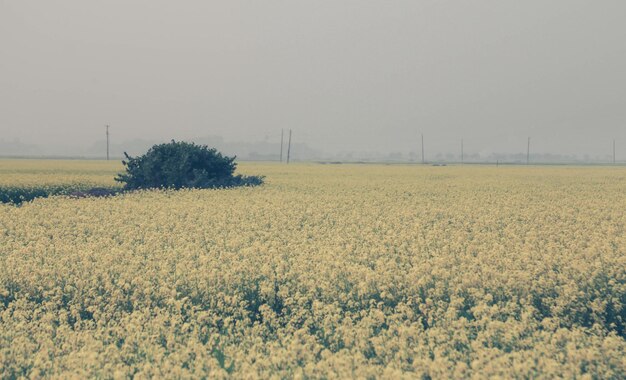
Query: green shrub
x: 179, y: 165
x: 17, y: 195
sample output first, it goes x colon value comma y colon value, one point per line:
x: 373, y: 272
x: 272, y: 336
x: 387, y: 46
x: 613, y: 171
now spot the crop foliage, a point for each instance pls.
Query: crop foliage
x: 336, y: 271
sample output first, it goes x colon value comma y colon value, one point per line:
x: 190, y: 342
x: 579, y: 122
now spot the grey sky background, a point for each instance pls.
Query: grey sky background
x: 345, y: 75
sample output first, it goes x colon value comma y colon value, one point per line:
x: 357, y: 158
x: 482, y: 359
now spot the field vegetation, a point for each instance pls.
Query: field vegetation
x: 25, y: 180
x: 182, y: 165
x: 326, y: 271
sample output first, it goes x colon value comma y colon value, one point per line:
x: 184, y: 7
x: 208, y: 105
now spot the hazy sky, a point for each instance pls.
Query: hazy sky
x: 344, y: 75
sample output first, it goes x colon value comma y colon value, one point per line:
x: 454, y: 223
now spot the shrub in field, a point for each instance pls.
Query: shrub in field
x: 182, y: 165
x: 17, y: 195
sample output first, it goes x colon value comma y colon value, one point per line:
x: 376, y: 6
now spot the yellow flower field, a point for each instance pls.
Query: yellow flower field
x: 326, y: 271
x: 26, y: 173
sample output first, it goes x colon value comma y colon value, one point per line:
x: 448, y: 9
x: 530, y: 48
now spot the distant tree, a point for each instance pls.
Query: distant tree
x: 179, y: 165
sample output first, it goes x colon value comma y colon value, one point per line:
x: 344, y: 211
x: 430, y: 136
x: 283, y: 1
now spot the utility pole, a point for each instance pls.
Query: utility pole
x: 289, y: 147
x: 462, y: 158
x: 423, y: 161
x: 282, y: 131
x: 107, y: 143
x: 613, y: 151
x: 528, y: 152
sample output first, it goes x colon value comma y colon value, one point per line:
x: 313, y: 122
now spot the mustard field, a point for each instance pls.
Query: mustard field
x: 326, y: 271
x: 24, y: 180
x: 28, y: 173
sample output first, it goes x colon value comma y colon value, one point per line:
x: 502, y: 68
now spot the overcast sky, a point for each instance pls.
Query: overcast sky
x: 344, y: 75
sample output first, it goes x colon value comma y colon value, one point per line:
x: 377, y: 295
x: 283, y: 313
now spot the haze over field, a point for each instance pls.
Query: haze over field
x: 349, y: 76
